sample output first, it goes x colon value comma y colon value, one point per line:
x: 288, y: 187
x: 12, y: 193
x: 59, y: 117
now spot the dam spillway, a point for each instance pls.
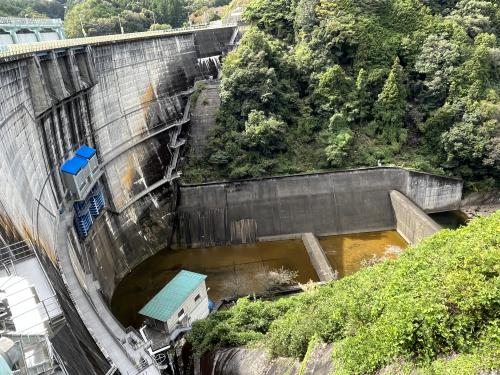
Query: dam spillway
x: 128, y: 98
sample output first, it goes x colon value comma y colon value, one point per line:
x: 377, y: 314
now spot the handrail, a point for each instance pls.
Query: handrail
x: 18, y: 21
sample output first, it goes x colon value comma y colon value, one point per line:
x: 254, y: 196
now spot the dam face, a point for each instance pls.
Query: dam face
x: 324, y: 203
x: 129, y: 99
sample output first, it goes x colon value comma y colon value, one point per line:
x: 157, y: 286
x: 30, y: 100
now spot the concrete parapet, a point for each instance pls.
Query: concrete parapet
x: 412, y: 223
x: 318, y: 258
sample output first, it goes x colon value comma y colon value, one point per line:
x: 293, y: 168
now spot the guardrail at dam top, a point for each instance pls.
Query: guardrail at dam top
x: 23, y: 22
x: 18, y: 50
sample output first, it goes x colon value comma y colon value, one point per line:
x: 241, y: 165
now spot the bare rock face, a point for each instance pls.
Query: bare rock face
x: 243, y: 361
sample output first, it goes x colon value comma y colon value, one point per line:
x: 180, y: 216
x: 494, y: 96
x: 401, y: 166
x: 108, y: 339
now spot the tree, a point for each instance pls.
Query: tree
x: 100, y: 17
x: 263, y: 133
x: 333, y: 88
x: 476, y: 16
x: 337, y: 148
x: 32, y: 8
x: 390, y: 106
x: 273, y: 16
x: 473, y: 144
x: 305, y: 16
x: 172, y: 12
x: 438, y: 59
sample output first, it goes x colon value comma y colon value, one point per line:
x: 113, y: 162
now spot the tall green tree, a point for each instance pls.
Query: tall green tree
x: 389, y: 110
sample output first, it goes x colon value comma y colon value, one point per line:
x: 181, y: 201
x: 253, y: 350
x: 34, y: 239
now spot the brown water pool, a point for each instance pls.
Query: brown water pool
x: 231, y: 270
x: 346, y: 252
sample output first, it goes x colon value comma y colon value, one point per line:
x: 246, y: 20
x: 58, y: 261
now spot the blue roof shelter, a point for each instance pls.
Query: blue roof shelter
x: 85, y: 152
x: 89, y: 154
x: 74, y: 165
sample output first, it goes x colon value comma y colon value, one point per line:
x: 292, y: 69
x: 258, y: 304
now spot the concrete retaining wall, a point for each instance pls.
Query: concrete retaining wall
x: 318, y: 258
x: 323, y: 204
x: 114, y: 97
x: 412, y: 223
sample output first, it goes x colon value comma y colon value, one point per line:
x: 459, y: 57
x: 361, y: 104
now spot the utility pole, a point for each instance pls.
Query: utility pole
x: 81, y: 23
x: 121, y: 27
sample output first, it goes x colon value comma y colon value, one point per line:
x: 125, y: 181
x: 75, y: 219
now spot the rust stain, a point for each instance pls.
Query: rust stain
x: 9, y: 228
x: 39, y: 243
x: 146, y: 100
x: 26, y: 233
x: 127, y: 178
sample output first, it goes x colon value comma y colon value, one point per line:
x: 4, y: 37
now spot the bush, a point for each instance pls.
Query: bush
x: 435, y: 308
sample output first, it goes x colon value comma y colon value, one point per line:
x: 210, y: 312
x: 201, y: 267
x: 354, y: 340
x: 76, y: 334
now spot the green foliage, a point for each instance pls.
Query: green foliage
x: 336, y: 151
x: 389, y: 110
x: 264, y: 134
x: 273, y: 16
x: 32, y: 8
x: 435, y: 308
x: 414, y: 83
x: 159, y: 26
x: 101, y: 17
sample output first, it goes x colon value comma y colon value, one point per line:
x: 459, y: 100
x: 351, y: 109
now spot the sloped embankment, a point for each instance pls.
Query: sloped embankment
x: 435, y: 309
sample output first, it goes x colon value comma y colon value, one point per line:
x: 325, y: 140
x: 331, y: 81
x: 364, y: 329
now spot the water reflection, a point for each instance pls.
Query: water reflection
x: 347, y: 252
x: 231, y: 270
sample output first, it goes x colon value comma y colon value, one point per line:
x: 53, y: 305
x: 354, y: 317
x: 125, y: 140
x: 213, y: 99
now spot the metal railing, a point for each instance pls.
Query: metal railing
x: 24, y: 49
x: 16, y: 252
x: 24, y: 22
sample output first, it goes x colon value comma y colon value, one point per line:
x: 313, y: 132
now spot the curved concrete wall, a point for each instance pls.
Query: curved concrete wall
x: 323, y: 203
x: 128, y: 100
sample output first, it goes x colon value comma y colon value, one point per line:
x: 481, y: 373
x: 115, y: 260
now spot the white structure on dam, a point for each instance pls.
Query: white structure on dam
x: 29, y: 30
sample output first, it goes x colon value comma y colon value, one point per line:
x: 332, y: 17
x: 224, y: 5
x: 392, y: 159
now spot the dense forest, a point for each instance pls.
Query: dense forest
x: 320, y: 84
x: 432, y: 311
x: 103, y: 17
x: 32, y: 8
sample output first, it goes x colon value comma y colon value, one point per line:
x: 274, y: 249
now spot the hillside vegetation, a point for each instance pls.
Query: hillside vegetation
x: 321, y: 84
x: 32, y: 8
x: 434, y: 310
x: 101, y: 17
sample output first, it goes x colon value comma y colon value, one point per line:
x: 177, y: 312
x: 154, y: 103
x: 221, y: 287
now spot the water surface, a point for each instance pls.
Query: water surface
x: 231, y: 270
x: 346, y: 252
x: 450, y: 219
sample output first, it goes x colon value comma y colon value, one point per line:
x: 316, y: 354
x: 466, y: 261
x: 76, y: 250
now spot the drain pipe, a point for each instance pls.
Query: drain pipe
x: 10, y: 355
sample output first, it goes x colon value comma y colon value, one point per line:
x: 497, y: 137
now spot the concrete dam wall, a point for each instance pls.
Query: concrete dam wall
x: 128, y: 100
x: 323, y: 204
x: 411, y: 222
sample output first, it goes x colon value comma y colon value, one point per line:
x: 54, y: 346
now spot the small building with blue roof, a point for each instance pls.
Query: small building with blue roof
x: 89, y: 154
x: 75, y: 173
x: 180, y: 303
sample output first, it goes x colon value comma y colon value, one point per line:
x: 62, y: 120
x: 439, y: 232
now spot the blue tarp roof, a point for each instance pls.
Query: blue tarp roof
x: 171, y: 297
x: 73, y: 166
x: 85, y: 152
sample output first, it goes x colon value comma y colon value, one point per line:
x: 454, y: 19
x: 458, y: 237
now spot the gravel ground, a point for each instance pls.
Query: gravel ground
x: 480, y: 210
